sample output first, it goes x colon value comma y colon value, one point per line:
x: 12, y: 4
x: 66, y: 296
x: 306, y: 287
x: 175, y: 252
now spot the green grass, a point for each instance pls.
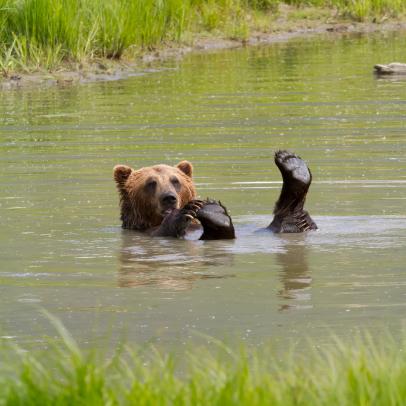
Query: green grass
x: 48, y: 34
x: 38, y: 34
x: 365, y: 373
x: 359, y: 10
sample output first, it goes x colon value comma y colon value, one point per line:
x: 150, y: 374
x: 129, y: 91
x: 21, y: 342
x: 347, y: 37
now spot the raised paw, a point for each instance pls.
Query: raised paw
x: 293, y: 167
x: 215, y: 220
x: 289, y: 213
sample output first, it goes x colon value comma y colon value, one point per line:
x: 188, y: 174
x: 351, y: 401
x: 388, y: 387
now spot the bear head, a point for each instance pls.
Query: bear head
x: 150, y: 193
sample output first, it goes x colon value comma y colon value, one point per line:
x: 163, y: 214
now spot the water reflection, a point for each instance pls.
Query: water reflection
x: 168, y: 263
x: 390, y: 78
x: 294, y: 276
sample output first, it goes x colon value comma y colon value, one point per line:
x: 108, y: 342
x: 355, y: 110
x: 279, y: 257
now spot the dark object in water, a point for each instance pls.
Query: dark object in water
x: 394, y: 68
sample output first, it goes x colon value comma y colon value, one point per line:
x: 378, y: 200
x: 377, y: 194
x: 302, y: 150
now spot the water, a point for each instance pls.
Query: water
x: 62, y: 247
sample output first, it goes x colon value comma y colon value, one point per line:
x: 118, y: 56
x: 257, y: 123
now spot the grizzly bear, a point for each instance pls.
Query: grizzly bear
x: 161, y: 200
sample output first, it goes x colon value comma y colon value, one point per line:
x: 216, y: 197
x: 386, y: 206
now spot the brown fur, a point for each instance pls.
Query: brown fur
x: 140, y: 203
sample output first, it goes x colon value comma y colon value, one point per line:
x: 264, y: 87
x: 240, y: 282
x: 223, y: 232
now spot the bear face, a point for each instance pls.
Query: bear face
x: 148, y: 194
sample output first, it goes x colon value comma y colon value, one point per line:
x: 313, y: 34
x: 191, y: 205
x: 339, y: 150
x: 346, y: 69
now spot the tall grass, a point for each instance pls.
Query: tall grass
x: 73, y: 30
x: 43, y: 34
x: 365, y: 373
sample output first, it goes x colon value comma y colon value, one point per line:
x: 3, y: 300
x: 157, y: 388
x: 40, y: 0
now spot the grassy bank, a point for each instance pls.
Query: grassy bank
x: 46, y: 34
x: 364, y: 374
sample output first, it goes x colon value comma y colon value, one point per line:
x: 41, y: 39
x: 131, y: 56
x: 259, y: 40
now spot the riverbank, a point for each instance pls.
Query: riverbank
x: 115, y: 57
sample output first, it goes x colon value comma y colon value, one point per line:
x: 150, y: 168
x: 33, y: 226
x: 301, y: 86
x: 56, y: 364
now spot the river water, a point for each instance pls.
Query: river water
x: 62, y: 247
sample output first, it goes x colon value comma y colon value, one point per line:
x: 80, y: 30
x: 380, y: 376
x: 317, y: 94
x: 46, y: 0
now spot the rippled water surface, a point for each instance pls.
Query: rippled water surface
x: 62, y: 247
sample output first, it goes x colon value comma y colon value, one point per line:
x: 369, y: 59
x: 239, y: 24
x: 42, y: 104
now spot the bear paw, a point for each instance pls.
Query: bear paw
x: 215, y: 220
x: 177, y: 221
x: 292, y: 167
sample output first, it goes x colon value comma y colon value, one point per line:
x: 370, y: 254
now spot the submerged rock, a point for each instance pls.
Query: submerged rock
x: 393, y: 68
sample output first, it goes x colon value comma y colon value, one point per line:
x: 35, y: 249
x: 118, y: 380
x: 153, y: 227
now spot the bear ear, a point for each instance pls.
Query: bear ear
x: 186, y: 167
x: 121, y: 174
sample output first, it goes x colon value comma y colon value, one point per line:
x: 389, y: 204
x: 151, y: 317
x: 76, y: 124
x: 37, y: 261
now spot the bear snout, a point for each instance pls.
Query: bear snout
x: 168, y: 200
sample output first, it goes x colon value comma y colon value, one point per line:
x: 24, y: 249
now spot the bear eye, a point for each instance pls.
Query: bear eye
x: 175, y: 182
x: 151, y: 184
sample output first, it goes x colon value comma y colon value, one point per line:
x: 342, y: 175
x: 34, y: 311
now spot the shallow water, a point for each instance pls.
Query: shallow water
x: 62, y: 247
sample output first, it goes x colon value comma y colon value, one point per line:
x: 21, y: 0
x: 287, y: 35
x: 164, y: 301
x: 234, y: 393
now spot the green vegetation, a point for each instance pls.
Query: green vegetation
x: 365, y: 374
x: 359, y: 10
x: 46, y: 34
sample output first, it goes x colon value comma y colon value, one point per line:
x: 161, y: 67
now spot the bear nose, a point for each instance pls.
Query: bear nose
x: 169, y: 199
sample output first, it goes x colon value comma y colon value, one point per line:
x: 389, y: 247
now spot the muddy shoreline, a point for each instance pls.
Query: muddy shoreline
x: 109, y: 70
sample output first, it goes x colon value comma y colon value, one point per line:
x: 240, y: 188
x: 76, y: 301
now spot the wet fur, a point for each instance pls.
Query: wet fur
x: 140, y: 209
